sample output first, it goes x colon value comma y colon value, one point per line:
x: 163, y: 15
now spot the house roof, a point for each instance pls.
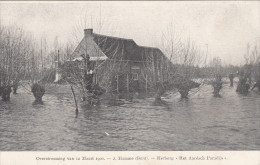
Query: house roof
x: 87, y: 45
x: 124, y: 49
x: 116, y: 48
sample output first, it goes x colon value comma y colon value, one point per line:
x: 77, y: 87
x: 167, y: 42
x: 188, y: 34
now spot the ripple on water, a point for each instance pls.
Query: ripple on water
x: 202, y: 122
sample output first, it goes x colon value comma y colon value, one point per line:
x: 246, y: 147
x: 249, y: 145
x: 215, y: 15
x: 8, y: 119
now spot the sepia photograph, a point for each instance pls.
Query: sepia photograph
x: 129, y: 76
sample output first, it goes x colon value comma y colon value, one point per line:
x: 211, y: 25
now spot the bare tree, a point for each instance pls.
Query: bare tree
x: 185, y: 55
x: 15, y: 49
x: 251, y: 68
x: 103, y: 69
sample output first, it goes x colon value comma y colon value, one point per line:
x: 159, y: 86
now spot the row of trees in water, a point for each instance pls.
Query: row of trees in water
x: 17, y: 59
x: 26, y: 62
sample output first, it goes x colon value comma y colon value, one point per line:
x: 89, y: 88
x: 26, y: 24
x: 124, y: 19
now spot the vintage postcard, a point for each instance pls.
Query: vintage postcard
x: 135, y: 82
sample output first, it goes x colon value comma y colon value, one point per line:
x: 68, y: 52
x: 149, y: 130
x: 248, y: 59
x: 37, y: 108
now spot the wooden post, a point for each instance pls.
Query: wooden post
x: 74, y: 98
x: 117, y: 85
x: 146, y: 83
x: 154, y: 70
x: 41, y: 59
x: 58, y: 58
x: 158, y: 70
x: 85, y: 67
x: 127, y: 82
x: 161, y: 68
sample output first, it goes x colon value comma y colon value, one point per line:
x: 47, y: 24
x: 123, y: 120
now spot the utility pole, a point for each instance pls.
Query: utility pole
x: 41, y: 58
x: 58, y: 58
x: 45, y: 51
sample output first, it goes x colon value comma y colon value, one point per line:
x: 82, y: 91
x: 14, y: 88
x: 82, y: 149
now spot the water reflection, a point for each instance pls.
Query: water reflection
x: 217, y: 95
x: 202, y: 122
x: 77, y: 113
x: 37, y: 102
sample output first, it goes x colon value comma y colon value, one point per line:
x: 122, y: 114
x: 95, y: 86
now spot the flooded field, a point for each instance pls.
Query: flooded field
x: 202, y: 122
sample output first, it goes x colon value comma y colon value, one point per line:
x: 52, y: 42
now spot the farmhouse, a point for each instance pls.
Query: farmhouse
x: 120, y: 65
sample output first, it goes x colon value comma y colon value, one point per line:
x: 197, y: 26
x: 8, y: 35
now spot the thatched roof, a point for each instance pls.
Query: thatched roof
x: 124, y: 49
x: 102, y: 46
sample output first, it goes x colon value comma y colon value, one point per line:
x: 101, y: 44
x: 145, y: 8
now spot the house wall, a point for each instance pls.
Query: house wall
x: 121, y: 75
x: 130, y: 76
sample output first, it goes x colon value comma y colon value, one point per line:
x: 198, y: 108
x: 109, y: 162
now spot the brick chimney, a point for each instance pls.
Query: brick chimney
x: 88, y: 32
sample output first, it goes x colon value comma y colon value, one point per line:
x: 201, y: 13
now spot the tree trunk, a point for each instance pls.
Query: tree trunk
x: 231, y: 77
x: 160, y: 91
x: 15, y: 87
x: 184, y: 92
x: 242, y: 86
x: 38, y: 92
x: 217, y: 87
x: 6, y: 91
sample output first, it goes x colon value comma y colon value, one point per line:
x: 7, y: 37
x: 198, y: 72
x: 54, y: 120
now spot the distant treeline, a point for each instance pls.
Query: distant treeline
x: 206, y: 72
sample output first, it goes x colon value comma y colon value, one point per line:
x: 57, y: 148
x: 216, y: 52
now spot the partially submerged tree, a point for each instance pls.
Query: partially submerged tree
x: 216, y: 66
x: 250, y: 70
x: 14, y: 49
x: 217, y: 85
x: 92, y: 76
x: 186, y: 56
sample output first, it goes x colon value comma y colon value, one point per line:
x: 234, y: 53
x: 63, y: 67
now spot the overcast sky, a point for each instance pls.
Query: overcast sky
x: 226, y: 27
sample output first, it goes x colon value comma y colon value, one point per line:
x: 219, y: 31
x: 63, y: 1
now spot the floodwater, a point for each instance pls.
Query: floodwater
x: 202, y: 122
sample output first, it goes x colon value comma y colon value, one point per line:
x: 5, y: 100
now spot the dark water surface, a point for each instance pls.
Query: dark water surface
x: 203, y: 122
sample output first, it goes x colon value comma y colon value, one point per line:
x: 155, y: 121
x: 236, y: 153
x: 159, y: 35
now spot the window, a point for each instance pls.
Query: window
x: 135, y: 70
x: 135, y: 67
x: 135, y: 76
